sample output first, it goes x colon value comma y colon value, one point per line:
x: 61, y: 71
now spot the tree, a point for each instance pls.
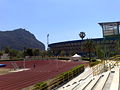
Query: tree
x: 43, y: 53
x: 7, y: 50
x: 99, y: 52
x: 20, y: 54
x: 62, y: 53
x: 72, y: 53
x: 82, y: 35
x: 29, y: 52
x: 36, y: 52
x: 49, y: 53
x: 89, y: 47
x: 1, y: 53
x: 13, y: 53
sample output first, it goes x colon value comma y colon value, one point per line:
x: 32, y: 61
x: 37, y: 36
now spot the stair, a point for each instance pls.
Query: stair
x: 93, y: 83
x: 103, y: 80
x: 109, y: 80
x: 115, y: 81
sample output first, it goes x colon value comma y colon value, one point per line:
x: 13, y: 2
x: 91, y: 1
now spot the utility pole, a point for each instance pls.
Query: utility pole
x: 24, y: 63
x: 47, y: 40
x: 24, y: 58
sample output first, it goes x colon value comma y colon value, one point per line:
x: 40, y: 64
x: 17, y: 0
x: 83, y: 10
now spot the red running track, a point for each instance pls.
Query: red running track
x: 44, y: 70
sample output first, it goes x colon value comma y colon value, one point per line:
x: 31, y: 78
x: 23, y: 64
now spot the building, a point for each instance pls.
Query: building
x: 108, y: 45
x: 110, y: 28
x: 5, y: 57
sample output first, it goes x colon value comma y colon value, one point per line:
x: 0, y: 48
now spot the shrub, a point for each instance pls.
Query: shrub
x: 63, y: 58
x: 94, y: 63
x: 41, y: 86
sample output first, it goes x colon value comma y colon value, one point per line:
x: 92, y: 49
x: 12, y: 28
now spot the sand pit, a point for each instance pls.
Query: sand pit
x: 19, y: 70
x: 4, y: 71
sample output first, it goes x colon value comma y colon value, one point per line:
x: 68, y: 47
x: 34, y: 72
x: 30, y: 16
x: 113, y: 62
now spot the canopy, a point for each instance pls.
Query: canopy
x: 76, y: 55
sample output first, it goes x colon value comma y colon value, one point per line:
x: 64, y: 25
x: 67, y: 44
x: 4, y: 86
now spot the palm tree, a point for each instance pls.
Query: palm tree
x: 82, y: 35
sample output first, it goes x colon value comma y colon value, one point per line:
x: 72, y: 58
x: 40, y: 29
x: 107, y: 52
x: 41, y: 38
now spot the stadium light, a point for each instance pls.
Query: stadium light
x: 47, y: 41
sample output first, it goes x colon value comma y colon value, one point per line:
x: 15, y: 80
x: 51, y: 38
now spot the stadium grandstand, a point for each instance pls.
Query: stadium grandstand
x: 109, y: 42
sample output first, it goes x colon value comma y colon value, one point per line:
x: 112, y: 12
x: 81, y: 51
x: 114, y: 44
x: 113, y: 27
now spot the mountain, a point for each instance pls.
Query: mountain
x: 18, y: 39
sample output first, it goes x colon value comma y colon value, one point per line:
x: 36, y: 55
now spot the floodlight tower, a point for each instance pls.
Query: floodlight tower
x: 47, y: 41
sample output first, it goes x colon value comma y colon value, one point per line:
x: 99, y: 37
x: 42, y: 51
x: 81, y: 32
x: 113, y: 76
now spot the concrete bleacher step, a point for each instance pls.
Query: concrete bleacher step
x: 108, y: 81
x: 102, y: 81
x: 82, y: 82
x: 115, y: 80
x: 84, y: 85
x: 76, y: 82
x: 92, y: 84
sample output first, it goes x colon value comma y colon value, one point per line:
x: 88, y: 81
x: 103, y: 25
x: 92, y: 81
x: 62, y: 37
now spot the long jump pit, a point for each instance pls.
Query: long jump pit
x: 4, y: 71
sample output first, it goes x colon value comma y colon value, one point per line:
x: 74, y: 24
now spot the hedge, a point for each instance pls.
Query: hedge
x: 94, y: 63
x: 17, y: 59
x: 41, y: 86
x: 60, y: 79
x: 63, y: 58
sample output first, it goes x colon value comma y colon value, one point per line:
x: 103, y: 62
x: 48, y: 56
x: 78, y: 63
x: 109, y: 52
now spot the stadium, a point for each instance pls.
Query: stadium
x: 54, y: 74
x: 109, y: 42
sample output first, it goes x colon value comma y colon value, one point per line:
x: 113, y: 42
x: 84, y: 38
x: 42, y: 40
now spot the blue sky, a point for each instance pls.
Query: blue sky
x: 62, y: 19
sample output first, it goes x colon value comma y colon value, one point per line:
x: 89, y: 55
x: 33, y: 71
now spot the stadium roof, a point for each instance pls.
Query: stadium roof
x: 105, y: 23
x: 75, y: 41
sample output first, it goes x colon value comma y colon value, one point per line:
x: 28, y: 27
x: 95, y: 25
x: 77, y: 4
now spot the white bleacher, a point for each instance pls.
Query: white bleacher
x: 76, y: 81
x: 83, y: 85
x: 101, y: 84
x: 87, y: 82
x: 115, y: 81
x: 94, y: 81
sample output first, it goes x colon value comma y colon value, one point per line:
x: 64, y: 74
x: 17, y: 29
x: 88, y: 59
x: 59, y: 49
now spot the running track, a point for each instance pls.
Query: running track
x: 44, y: 70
